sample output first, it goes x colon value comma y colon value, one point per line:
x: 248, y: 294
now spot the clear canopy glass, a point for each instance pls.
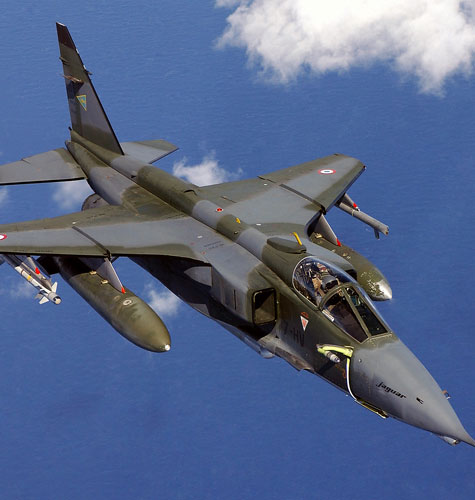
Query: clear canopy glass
x: 314, y: 278
x: 339, y: 297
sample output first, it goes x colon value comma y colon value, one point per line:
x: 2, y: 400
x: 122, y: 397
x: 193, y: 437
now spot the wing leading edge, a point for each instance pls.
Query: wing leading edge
x: 296, y: 196
x: 103, y: 232
x: 292, y: 195
x: 323, y: 181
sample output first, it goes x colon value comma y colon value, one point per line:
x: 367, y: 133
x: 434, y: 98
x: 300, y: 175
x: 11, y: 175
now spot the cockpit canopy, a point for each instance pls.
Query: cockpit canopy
x: 339, y: 297
x: 314, y: 278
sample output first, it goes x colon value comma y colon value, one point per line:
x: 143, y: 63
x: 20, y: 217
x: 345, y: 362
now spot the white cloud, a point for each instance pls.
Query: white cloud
x: 165, y: 303
x: 13, y: 285
x: 22, y: 290
x: 206, y: 173
x: 69, y: 195
x: 3, y: 196
x: 429, y: 39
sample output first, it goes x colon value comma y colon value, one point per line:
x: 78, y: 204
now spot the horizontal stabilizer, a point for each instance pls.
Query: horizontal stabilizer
x: 52, y: 166
x: 148, y: 151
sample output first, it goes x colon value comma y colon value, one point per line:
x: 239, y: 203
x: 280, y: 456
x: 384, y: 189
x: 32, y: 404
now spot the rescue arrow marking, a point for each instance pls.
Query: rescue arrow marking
x: 3, y: 237
x: 304, y: 322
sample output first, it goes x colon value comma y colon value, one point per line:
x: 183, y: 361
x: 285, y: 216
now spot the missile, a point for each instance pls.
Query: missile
x: 128, y: 314
x: 378, y: 226
x: 29, y: 269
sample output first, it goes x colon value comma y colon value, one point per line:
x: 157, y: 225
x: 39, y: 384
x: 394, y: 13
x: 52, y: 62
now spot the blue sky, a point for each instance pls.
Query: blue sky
x: 86, y: 414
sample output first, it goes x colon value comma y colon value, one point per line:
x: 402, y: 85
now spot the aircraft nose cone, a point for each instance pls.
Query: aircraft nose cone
x: 391, y: 378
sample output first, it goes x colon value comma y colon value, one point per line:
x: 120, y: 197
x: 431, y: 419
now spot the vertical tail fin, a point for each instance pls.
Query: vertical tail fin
x: 88, y: 117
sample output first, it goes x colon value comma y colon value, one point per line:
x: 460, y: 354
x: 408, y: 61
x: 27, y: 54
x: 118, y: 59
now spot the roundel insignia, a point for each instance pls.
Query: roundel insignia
x: 3, y: 237
x: 219, y: 209
x: 326, y: 171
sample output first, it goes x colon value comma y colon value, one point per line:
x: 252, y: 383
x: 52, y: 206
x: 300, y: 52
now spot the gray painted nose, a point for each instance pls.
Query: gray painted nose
x: 391, y: 378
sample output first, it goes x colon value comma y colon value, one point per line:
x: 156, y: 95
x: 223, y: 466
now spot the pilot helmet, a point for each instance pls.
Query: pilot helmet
x: 328, y: 282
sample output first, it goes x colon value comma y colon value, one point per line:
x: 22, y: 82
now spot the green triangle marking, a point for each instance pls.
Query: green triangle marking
x: 82, y: 101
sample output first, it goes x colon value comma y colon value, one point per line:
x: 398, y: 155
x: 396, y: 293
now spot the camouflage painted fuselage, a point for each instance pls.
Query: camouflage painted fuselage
x: 257, y: 256
x: 235, y: 273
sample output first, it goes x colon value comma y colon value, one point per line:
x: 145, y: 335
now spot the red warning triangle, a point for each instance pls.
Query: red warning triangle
x: 304, y: 322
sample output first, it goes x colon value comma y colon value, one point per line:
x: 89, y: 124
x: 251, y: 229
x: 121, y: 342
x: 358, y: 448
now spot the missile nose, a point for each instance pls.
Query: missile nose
x: 391, y: 378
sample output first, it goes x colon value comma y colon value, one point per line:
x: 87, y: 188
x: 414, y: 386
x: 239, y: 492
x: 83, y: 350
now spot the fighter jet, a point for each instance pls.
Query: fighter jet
x: 257, y: 256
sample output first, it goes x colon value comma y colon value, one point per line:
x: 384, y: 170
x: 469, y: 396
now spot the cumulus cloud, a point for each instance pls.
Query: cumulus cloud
x: 3, y: 196
x: 206, y: 173
x: 13, y: 285
x: 70, y: 195
x: 22, y: 290
x: 429, y: 39
x: 164, y: 302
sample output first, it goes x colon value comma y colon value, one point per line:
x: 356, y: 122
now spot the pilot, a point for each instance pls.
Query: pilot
x: 329, y: 282
x: 327, y: 279
x: 317, y: 284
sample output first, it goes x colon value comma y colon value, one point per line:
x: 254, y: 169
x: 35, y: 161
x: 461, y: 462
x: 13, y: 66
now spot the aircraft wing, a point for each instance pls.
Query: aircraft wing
x: 104, y: 232
x: 323, y: 181
x: 56, y: 165
x: 290, y: 195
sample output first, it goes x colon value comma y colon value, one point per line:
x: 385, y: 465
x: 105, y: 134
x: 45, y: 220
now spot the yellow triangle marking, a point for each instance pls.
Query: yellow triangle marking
x: 82, y: 101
